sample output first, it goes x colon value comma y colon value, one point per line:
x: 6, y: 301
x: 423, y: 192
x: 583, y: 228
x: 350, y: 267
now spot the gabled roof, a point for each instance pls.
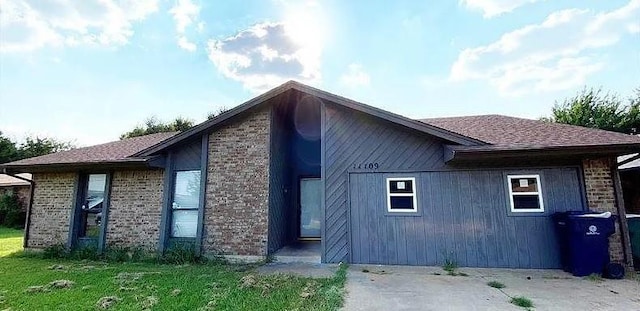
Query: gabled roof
x: 505, y: 131
x: 117, y: 152
x: 10, y: 181
x: 335, y: 99
x: 510, y: 137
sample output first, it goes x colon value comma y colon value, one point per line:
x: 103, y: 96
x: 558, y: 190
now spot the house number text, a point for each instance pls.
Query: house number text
x: 366, y: 166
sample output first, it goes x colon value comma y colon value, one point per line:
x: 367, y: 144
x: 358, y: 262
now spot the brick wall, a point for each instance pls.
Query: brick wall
x: 237, y: 193
x: 52, y: 204
x: 601, y: 197
x: 135, y: 209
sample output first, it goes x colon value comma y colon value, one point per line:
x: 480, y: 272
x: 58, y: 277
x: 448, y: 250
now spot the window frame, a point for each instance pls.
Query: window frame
x: 511, y: 177
x: 174, y: 179
x: 413, y: 194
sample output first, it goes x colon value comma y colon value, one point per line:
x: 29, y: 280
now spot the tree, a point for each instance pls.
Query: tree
x: 8, y: 150
x: 595, y: 109
x: 37, y: 146
x: 152, y: 125
x: 216, y: 113
x: 31, y: 147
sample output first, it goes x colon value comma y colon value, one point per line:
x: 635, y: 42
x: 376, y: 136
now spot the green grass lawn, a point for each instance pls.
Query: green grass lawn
x: 10, y: 241
x: 29, y: 283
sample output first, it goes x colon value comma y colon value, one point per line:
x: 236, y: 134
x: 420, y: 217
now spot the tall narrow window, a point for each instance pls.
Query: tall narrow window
x: 184, y: 208
x: 92, y: 206
x: 525, y: 193
x: 401, y: 195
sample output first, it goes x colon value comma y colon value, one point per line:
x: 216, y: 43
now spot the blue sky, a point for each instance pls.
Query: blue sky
x: 87, y: 71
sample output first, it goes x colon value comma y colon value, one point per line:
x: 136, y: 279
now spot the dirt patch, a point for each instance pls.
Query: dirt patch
x: 61, y: 284
x: 107, y: 302
x: 57, y: 284
x: 149, y: 302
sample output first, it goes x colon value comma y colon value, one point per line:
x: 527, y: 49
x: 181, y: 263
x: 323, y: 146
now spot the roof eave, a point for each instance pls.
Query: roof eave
x: 131, y: 163
x: 457, y: 154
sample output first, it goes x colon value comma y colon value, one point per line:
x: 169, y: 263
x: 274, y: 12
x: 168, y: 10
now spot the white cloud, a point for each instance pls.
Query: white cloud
x: 266, y: 55
x: 27, y: 25
x: 185, y: 44
x: 559, y: 53
x: 355, y: 76
x: 493, y: 8
x: 186, y: 13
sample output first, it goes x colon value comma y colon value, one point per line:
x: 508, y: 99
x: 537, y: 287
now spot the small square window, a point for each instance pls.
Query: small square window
x: 401, y: 195
x: 525, y: 193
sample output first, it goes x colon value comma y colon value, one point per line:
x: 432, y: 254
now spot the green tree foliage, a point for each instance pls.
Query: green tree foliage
x: 152, y: 125
x: 11, y: 214
x: 37, y: 146
x: 8, y: 150
x: 216, y: 113
x: 31, y: 147
x: 595, y: 109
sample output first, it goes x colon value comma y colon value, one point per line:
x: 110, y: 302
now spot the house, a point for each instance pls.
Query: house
x: 369, y: 186
x: 18, y: 186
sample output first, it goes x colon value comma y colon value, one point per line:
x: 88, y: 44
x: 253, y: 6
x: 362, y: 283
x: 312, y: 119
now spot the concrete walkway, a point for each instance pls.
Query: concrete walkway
x: 421, y: 288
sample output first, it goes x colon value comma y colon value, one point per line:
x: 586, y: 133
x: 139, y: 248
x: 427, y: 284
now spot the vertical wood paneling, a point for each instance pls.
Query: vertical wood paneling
x: 464, y: 217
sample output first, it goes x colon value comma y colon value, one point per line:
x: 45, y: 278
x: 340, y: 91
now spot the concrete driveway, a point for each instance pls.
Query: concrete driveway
x: 420, y: 288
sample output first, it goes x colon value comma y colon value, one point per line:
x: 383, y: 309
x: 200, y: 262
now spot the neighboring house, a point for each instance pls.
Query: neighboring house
x: 19, y: 187
x: 629, y: 166
x: 374, y: 187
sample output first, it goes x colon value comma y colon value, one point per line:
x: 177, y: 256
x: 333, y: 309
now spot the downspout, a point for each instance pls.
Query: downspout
x: 27, y: 225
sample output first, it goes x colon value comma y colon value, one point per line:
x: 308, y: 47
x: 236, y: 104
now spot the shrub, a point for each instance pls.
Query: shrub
x: 496, y: 284
x: 56, y: 251
x: 11, y: 214
x: 181, y: 254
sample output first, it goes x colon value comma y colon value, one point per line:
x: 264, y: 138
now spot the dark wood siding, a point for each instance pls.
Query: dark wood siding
x: 278, y: 180
x: 355, y: 138
x: 187, y: 157
x: 462, y: 216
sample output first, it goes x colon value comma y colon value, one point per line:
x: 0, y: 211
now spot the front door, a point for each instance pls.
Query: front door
x: 90, y: 216
x: 310, y: 208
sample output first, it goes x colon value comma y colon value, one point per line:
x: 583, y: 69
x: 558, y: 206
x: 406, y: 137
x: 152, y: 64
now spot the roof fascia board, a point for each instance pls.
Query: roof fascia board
x: 456, y: 153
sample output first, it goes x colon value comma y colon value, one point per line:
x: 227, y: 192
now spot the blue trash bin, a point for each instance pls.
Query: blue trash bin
x: 584, y: 241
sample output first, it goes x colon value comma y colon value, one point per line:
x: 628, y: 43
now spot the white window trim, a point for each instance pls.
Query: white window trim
x: 412, y: 194
x: 539, y: 193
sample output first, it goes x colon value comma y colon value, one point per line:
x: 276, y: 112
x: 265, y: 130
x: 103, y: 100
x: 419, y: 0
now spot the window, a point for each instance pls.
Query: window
x: 94, y: 190
x: 525, y: 193
x: 184, y: 208
x: 401, y: 195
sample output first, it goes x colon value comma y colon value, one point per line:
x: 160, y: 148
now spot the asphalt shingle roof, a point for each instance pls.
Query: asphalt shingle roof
x: 110, y: 152
x: 515, y: 132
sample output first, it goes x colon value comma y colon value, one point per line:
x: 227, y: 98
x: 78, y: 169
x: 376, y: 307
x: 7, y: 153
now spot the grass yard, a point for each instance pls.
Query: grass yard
x: 10, y: 241
x: 29, y: 283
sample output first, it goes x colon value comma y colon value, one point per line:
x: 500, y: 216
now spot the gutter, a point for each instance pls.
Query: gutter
x: 27, y: 224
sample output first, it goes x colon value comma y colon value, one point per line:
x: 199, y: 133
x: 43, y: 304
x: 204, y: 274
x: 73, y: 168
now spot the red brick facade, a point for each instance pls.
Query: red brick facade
x: 601, y: 197
x: 237, y: 193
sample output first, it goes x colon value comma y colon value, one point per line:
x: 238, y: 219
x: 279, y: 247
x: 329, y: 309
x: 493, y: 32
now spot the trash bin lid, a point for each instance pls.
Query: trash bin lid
x: 595, y: 215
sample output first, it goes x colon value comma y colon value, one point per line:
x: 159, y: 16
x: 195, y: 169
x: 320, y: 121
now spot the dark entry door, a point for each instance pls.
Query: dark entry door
x: 310, y: 208
x: 90, y: 217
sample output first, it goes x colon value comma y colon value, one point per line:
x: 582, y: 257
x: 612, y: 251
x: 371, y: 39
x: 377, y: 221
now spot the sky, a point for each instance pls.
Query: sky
x: 87, y: 71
